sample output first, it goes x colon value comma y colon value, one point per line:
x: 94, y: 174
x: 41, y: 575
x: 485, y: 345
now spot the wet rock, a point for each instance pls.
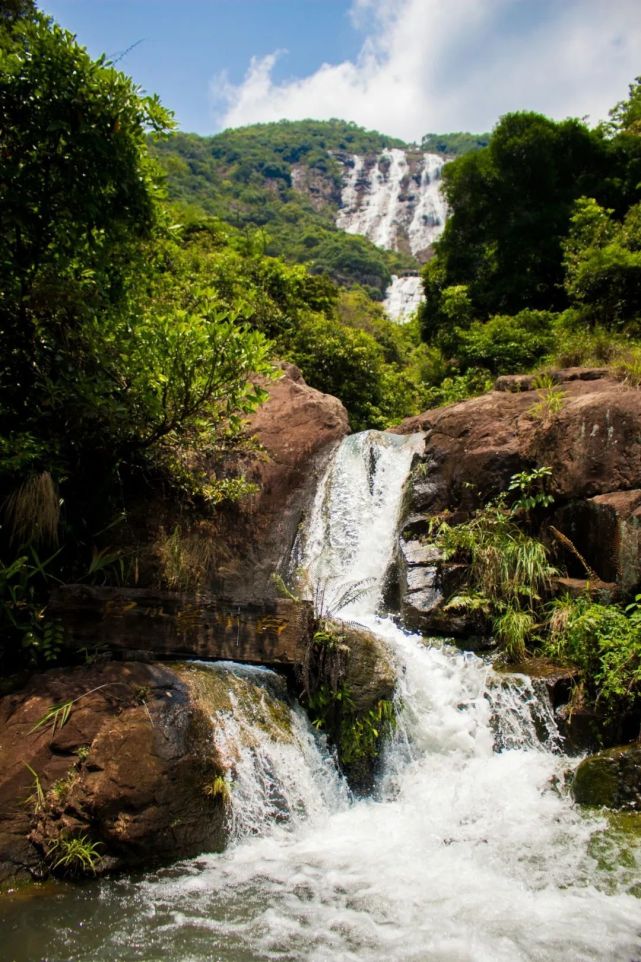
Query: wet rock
x: 611, y: 778
x: 370, y: 673
x: 134, y: 768
x: 557, y: 680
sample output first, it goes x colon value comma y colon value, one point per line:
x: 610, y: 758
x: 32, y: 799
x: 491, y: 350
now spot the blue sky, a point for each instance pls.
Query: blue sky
x: 402, y: 66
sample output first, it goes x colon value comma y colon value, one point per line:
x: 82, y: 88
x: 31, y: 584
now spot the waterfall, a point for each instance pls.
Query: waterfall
x: 471, y: 852
x: 395, y: 200
x: 278, y: 772
x: 403, y: 297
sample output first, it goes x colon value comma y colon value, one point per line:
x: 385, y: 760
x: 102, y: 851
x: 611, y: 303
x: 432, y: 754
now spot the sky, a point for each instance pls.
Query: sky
x: 404, y: 67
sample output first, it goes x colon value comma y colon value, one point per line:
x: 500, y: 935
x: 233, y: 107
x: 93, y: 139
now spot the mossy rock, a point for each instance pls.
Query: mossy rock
x: 611, y: 778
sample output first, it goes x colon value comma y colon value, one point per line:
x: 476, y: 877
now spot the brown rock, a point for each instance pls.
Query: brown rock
x: 592, y: 444
x: 131, y: 769
x: 297, y: 429
x: 167, y: 624
x: 606, y: 530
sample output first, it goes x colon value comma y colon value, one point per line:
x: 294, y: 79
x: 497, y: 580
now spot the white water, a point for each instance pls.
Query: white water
x: 468, y: 853
x: 393, y: 204
x: 402, y: 298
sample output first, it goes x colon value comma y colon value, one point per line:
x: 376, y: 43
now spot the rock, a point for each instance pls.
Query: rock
x: 611, y: 778
x: 591, y: 444
x: 135, y: 768
x: 235, y: 553
x: 168, y: 624
x: 602, y: 591
x: 606, y: 530
x: 370, y: 673
x: 530, y: 382
x: 558, y: 680
x: 349, y: 684
x: 297, y: 429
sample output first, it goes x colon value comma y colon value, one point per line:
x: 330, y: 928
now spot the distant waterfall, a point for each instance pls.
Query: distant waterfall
x: 394, y: 200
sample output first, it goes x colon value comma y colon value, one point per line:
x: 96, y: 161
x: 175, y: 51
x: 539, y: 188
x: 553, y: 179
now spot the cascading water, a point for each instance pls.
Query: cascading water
x: 471, y: 852
x: 403, y: 297
x: 396, y: 201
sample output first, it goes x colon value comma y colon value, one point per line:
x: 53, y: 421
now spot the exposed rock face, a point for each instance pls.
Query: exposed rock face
x: 611, y: 778
x: 588, y: 435
x: 128, y: 770
x: 140, y: 622
x: 235, y: 553
x: 135, y: 768
x: 297, y: 428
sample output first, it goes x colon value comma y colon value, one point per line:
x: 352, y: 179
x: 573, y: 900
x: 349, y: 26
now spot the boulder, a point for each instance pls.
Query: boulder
x: 296, y: 430
x: 592, y: 443
x: 235, y: 553
x: 589, y: 438
x: 130, y: 766
x: 611, y: 778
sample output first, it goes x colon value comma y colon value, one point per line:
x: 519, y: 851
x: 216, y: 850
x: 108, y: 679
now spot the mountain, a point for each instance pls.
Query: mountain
x: 351, y: 203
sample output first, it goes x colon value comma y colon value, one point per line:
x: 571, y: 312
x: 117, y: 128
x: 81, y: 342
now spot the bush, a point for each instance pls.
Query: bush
x: 604, y: 642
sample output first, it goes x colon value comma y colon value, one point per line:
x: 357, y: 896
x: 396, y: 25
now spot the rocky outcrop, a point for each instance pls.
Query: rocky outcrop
x: 130, y: 767
x: 141, y: 623
x: 349, y: 683
x: 611, y: 778
x: 235, y: 553
x: 584, y: 425
x: 128, y: 770
x: 589, y: 437
x: 296, y: 430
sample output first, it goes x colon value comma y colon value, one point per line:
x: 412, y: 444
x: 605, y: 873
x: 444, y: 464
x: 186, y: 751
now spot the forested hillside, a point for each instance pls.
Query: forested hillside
x: 283, y: 178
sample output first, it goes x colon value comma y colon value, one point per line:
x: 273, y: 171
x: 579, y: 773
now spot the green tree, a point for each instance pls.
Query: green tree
x: 603, y: 264
x: 510, y: 209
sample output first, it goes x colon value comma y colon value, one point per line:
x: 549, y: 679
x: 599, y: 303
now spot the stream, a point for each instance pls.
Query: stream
x: 470, y: 849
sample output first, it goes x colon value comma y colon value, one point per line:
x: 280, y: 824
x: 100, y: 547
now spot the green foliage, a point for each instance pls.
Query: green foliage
x: 361, y: 736
x: 510, y: 208
x: 529, y: 489
x: 246, y: 178
x: 74, y: 855
x: 36, y: 801
x: 26, y: 634
x: 603, y: 264
x: 220, y: 788
x: 350, y: 363
x: 504, y: 344
x: 604, y: 642
x: 57, y: 716
x: 625, y: 117
x: 509, y: 572
x: 455, y: 144
x: 513, y: 628
x: 550, y: 399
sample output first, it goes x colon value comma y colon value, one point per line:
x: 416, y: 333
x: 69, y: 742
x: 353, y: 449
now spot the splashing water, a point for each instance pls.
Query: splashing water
x: 471, y: 852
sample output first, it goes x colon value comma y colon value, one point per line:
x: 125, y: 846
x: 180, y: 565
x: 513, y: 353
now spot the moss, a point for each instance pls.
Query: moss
x: 595, y: 782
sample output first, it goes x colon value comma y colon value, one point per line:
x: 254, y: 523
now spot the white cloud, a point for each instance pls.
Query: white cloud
x: 455, y: 65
